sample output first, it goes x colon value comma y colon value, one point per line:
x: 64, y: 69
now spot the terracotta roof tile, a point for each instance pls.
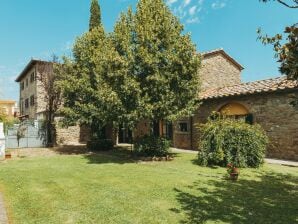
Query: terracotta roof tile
x: 262, y: 86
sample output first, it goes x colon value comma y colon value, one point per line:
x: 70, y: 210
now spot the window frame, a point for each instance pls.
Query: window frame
x: 27, y: 103
x: 182, y: 130
x: 32, y: 100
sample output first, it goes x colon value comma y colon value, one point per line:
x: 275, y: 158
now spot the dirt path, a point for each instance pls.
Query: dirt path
x: 3, y: 214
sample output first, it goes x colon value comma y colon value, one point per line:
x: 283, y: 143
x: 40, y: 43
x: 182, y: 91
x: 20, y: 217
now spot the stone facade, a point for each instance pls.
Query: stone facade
x: 32, y: 94
x: 32, y: 91
x: 273, y: 111
x: 73, y: 135
x: 217, y: 70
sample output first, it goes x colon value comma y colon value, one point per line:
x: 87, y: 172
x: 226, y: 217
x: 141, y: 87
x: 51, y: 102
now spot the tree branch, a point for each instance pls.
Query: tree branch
x: 285, y: 3
x: 289, y: 6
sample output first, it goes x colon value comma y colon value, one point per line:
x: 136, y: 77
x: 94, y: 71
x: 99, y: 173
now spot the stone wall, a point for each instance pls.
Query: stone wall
x: 72, y: 135
x: 273, y: 111
x: 218, y: 71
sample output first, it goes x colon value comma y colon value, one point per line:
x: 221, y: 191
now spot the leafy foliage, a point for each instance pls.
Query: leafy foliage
x: 166, y: 63
x: 225, y: 141
x: 95, y: 15
x: 146, y: 69
x: 287, y: 53
x: 89, y: 97
x: 152, y: 146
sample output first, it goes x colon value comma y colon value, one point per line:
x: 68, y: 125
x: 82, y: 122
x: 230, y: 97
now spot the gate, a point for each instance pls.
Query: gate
x: 32, y: 135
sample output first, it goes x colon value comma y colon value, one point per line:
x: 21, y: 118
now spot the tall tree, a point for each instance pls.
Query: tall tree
x: 95, y: 15
x: 88, y: 96
x: 166, y: 62
x: 126, y: 84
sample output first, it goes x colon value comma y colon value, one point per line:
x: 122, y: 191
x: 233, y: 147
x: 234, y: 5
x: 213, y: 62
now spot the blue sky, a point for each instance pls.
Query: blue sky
x: 40, y: 28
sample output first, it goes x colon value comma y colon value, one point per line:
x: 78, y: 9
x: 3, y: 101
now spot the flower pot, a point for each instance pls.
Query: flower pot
x: 7, y: 156
x: 234, y: 176
x: 235, y: 170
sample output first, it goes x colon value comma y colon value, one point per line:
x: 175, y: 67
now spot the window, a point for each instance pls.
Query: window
x: 27, y: 103
x: 26, y: 82
x: 32, y: 100
x: 183, y: 126
x: 22, y: 85
x: 32, y: 77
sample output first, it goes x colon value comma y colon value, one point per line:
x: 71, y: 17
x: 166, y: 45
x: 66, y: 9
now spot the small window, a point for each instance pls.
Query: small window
x: 183, y: 126
x: 32, y: 77
x: 26, y: 82
x: 22, y: 85
x: 32, y: 102
x: 26, y: 103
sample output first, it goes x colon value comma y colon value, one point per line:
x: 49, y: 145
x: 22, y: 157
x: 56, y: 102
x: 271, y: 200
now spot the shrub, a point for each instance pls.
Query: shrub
x: 100, y: 144
x: 225, y: 141
x: 152, y: 146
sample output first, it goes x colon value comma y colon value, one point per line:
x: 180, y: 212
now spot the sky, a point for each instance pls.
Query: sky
x: 39, y: 29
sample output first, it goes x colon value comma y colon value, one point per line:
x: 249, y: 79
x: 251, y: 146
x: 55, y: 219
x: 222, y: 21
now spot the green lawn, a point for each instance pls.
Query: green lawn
x: 111, y: 188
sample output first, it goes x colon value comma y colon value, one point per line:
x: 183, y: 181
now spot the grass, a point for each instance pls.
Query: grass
x: 111, y: 188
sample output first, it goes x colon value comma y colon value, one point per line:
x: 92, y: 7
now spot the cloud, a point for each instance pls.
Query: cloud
x: 170, y: 2
x: 186, y: 2
x: 192, y: 10
x: 186, y: 10
x: 193, y: 20
x: 218, y: 4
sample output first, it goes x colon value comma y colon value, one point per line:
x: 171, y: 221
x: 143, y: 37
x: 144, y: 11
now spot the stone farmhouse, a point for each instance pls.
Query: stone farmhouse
x: 267, y: 102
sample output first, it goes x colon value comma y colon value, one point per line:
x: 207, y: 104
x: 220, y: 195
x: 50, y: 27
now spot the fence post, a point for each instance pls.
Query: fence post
x: 2, y: 142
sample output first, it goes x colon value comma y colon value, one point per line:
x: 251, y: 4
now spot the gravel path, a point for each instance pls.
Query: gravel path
x: 3, y: 214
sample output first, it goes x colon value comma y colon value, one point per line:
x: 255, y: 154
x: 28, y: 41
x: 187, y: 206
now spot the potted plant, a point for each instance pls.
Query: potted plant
x: 8, y: 155
x: 233, y: 171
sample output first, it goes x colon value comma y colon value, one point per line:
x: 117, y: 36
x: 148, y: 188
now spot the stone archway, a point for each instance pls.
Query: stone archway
x: 237, y: 111
x: 233, y: 108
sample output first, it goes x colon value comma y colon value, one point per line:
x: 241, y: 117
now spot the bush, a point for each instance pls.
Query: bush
x: 100, y: 144
x: 225, y: 141
x: 152, y: 146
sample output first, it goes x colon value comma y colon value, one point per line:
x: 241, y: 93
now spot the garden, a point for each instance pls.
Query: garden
x: 114, y: 187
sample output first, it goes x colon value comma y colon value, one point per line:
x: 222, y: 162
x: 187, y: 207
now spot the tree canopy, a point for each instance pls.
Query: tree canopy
x: 165, y: 61
x: 146, y: 69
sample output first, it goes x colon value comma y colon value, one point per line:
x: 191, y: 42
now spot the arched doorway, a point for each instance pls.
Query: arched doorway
x: 237, y: 111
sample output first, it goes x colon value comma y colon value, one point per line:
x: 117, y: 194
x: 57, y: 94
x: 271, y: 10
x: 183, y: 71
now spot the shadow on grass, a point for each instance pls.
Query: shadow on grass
x: 272, y: 199
x: 119, y: 154
x: 70, y: 149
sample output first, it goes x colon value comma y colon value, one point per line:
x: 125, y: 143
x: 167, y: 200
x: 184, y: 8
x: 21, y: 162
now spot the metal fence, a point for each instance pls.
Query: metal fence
x: 31, y: 134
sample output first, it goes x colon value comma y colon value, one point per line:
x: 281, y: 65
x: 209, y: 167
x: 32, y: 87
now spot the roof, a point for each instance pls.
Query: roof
x: 222, y: 52
x: 7, y: 102
x: 262, y: 86
x: 27, y: 68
